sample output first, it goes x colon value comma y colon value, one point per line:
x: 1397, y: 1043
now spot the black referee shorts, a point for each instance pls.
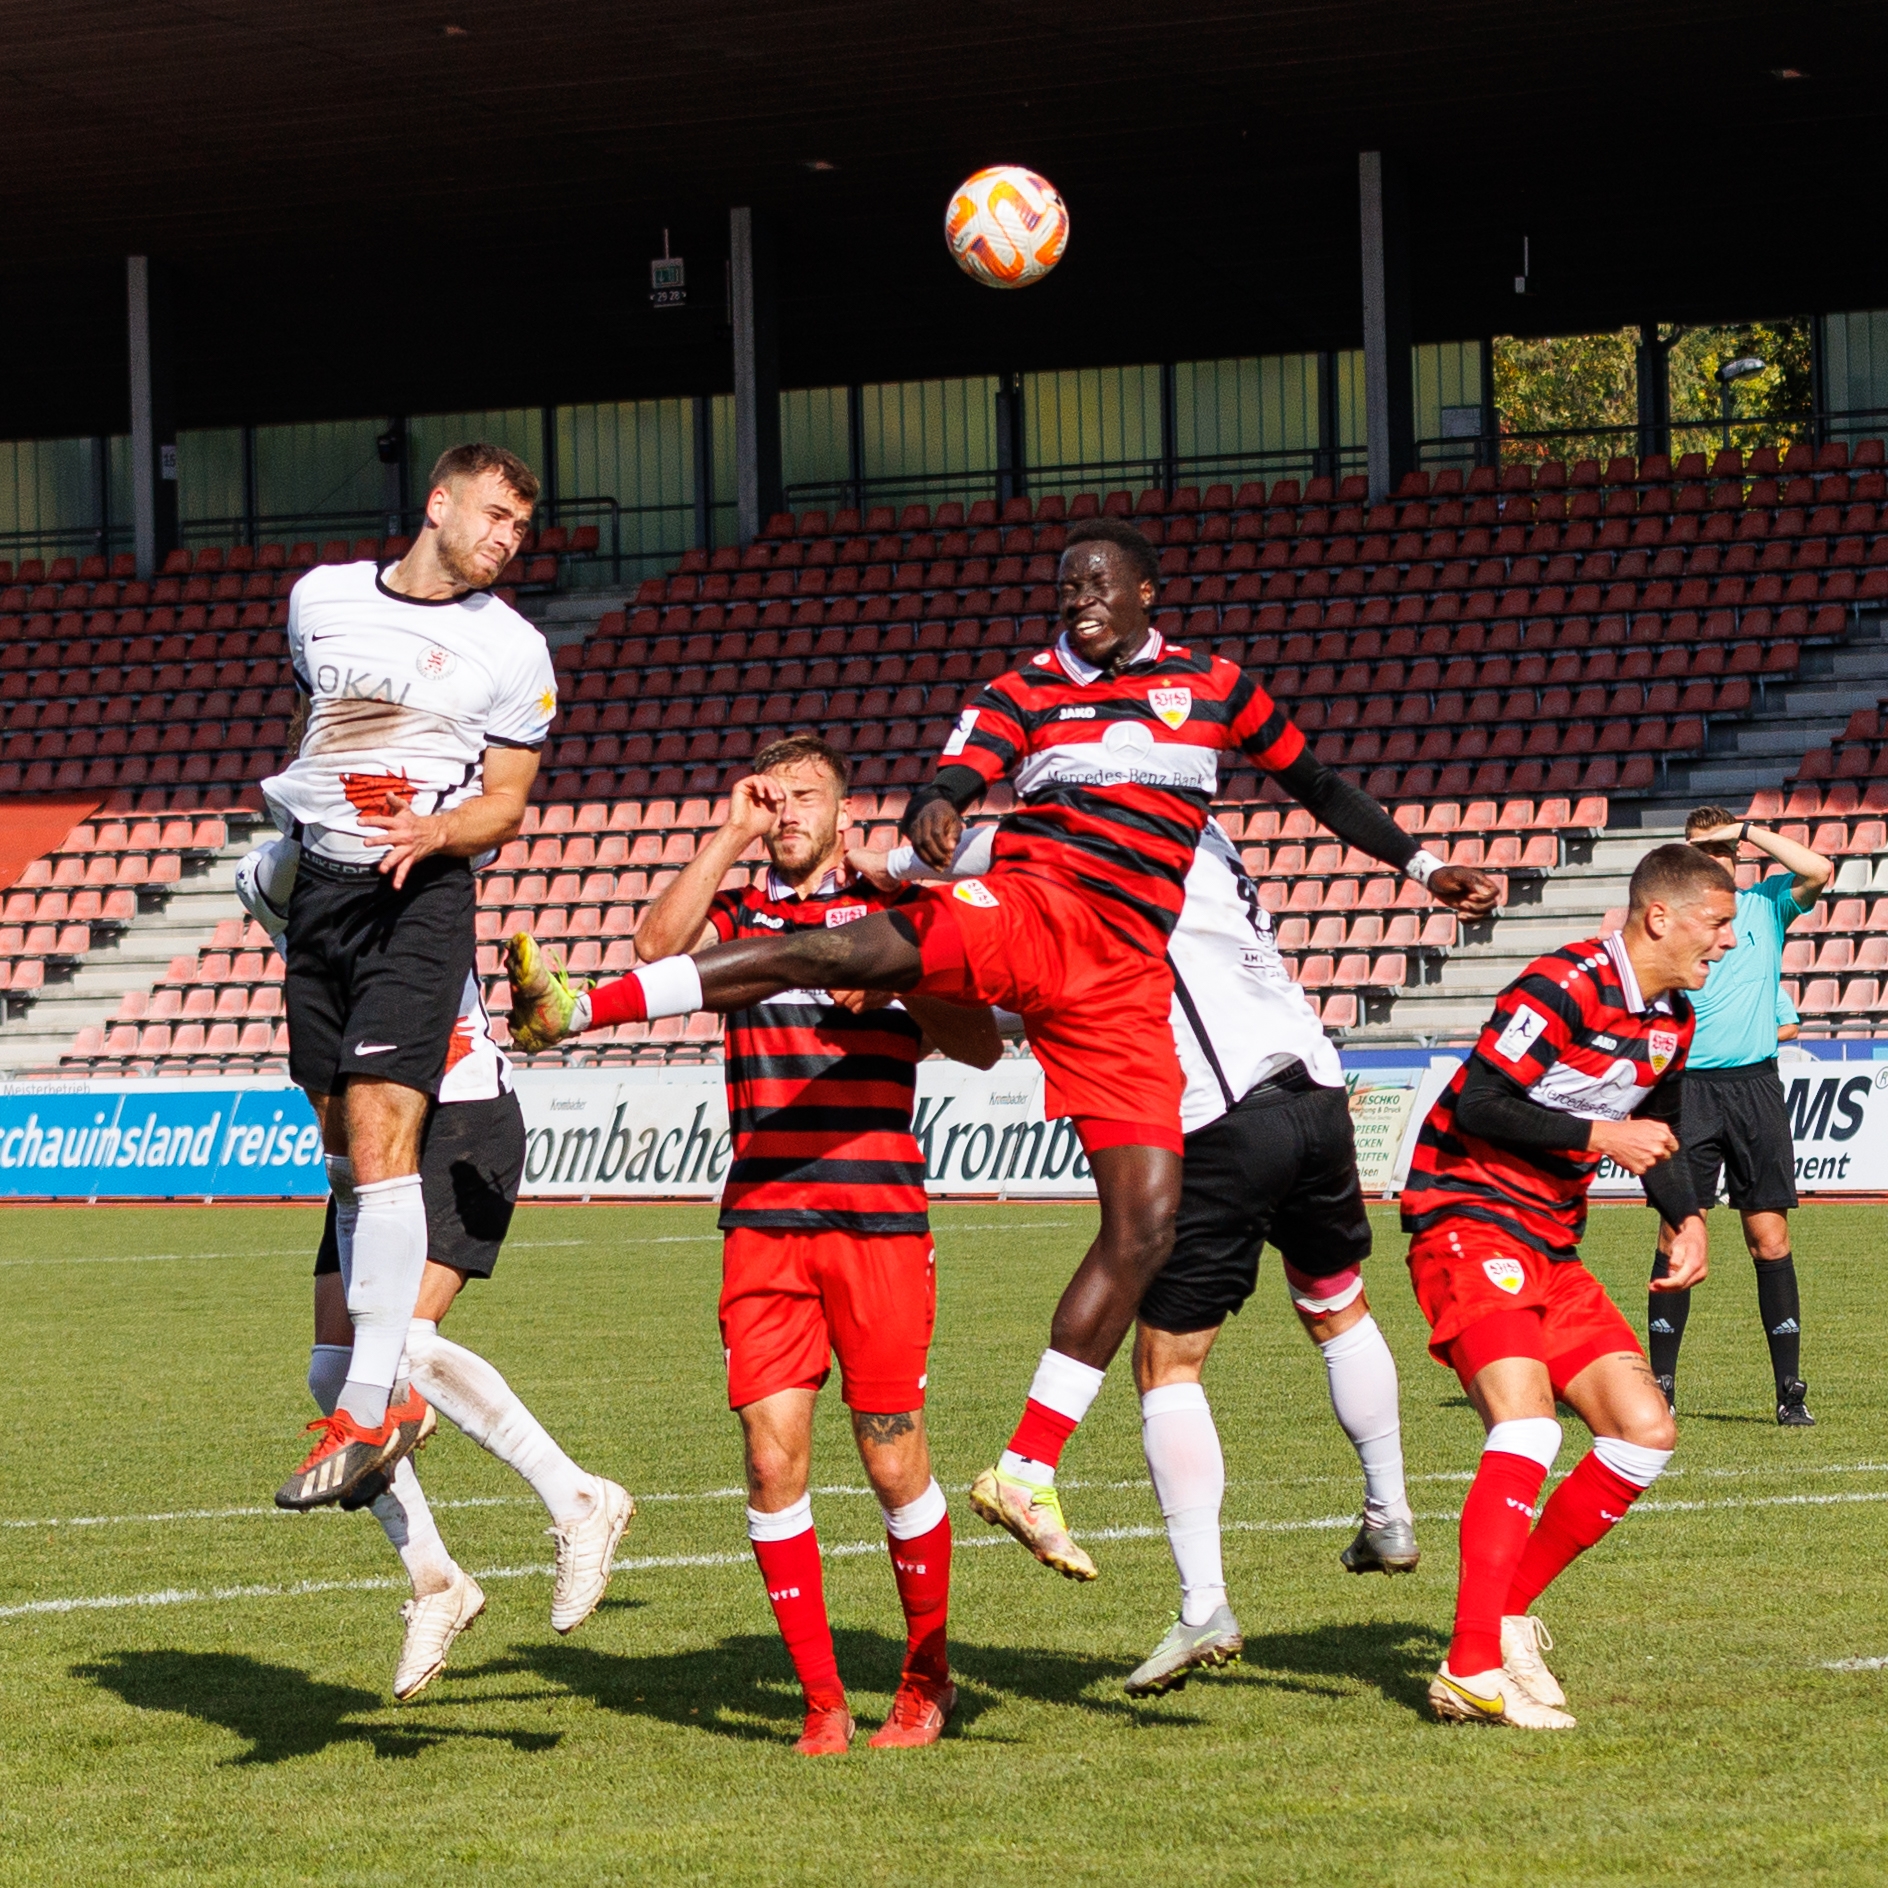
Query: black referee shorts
x: 1282, y: 1165
x: 1733, y: 1122
x: 375, y: 977
x: 471, y: 1162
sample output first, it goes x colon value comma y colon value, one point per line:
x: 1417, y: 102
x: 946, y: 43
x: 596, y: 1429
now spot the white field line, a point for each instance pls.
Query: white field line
x: 843, y: 1489
x: 1855, y: 1665
x: 843, y: 1550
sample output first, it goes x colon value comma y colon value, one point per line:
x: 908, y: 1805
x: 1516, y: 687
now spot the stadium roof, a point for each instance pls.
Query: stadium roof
x: 387, y: 205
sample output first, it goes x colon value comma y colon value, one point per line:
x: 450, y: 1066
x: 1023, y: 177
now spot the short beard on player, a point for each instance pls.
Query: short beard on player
x: 794, y: 854
x: 458, y: 557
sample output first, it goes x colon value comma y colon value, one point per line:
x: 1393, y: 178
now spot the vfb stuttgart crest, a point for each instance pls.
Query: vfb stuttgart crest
x: 1505, y: 1274
x: 1660, y: 1046
x: 1172, y: 705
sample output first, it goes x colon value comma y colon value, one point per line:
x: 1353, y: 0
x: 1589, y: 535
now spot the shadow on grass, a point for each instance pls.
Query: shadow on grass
x: 1397, y: 1656
x: 282, y: 1712
x: 743, y: 1687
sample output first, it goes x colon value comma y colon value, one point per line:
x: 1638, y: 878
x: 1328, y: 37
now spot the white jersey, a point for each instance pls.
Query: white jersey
x: 1238, y: 1019
x: 1248, y: 1020
x: 405, y: 695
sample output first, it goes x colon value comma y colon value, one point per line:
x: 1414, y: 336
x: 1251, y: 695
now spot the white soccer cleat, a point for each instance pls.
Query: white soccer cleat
x: 1524, y: 1637
x: 585, y: 1550
x: 1491, y: 1698
x: 433, y: 1621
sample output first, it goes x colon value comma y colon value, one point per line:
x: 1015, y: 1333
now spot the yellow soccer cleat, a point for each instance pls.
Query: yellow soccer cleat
x: 542, y: 999
x: 1032, y: 1511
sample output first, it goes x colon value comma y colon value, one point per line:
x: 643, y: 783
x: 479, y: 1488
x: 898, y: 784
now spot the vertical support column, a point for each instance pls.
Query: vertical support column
x: 704, y: 480
x: 1327, y: 460
x: 153, y: 420
x: 1818, y: 382
x: 1389, y: 395
x: 1488, y: 449
x: 756, y: 373
x: 1652, y: 364
x: 101, y: 495
x: 548, y: 493
x: 855, y: 446
x: 392, y: 448
x: 252, y: 491
x: 1011, y: 478
x: 1169, y: 427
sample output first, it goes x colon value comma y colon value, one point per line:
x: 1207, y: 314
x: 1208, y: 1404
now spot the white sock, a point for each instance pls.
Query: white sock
x: 1631, y: 1463
x: 1535, y: 1437
x: 461, y: 1385
x: 784, y: 1524
x: 403, y: 1515
x: 408, y: 1523
x: 1363, y: 1393
x: 670, y: 987
x: 916, y: 1517
x: 1183, y: 1456
x: 347, y: 1212
x: 389, y: 1263
x: 1065, y: 1386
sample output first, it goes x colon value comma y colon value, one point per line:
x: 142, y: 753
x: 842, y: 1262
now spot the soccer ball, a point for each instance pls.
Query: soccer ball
x: 1006, y: 226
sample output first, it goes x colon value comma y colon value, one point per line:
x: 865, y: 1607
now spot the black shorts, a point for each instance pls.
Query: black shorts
x: 471, y: 1162
x: 1282, y: 1165
x: 375, y: 977
x: 1734, y: 1121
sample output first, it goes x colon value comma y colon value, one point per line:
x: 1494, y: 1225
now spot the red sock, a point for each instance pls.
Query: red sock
x: 1495, y: 1520
x: 1042, y: 1433
x: 620, y: 1002
x: 922, y: 1568
x: 1583, y: 1510
x: 798, y: 1597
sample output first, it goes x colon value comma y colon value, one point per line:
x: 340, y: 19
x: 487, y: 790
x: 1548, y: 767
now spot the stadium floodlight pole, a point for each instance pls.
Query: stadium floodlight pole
x: 1389, y: 404
x: 1728, y: 375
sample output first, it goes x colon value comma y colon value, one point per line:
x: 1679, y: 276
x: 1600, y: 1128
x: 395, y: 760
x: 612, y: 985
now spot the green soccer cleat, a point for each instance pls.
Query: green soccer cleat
x: 542, y: 997
x: 1185, y: 1650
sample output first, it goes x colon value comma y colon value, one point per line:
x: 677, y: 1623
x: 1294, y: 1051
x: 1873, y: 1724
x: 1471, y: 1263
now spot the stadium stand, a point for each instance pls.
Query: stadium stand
x: 1495, y: 654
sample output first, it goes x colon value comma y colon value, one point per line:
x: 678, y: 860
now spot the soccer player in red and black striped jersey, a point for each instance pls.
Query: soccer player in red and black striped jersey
x: 1577, y: 1065
x: 1114, y: 739
x: 828, y: 1247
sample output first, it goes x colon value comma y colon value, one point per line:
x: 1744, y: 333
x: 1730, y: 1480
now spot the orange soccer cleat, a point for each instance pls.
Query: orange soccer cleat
x: 827, y: 1733
x: 918, y: 1716
x: 346, y: 1454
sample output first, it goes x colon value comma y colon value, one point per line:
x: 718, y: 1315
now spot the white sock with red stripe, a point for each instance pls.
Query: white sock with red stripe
x: 1059, y: 1397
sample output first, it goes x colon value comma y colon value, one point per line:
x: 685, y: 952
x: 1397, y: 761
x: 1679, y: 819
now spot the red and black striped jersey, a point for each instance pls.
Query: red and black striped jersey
x: 1114, y: 773
x: 1574, y: 1031
x: 819, y: 1100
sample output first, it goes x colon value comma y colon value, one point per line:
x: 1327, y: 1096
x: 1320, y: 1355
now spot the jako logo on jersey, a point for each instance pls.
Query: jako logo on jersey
x: 769, y: 920
x: 836, y: 915
x: 973, y: 891
x: 435, y: 663
x: 1523, y: 1031
x: 1660, y: 1046
x: 1505, y: 1274
x: 1076, y: 714
x: 1172, y: 705
x: 960, y: 735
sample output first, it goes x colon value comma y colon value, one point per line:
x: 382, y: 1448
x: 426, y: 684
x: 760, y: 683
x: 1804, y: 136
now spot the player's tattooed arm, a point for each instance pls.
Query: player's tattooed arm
x: 883, y: 1429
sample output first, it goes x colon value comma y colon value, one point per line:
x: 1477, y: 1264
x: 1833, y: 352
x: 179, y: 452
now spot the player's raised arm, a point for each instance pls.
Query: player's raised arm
x: 678, y: 920
x: 1812, y: 872
x: 1262, y: 728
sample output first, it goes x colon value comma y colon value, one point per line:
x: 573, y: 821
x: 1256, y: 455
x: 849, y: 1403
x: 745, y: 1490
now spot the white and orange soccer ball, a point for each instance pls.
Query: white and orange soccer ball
x: 1006, y: 226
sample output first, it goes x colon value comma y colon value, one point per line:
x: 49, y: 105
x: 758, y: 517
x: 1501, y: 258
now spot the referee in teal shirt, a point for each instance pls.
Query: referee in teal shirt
x: 1732, y: 1119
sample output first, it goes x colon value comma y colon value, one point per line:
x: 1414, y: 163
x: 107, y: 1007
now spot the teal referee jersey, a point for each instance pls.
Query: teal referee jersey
x: 1737, y: 1008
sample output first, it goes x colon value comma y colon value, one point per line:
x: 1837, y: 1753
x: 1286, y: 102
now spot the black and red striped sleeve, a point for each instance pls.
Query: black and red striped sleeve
x: 1260, y: 727
x: 724, y: 915
x: 989, y: 737
x: 1536, y: 1020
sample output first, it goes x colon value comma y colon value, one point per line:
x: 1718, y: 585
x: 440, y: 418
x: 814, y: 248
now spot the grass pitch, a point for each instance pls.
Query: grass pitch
x: 194, y: 1688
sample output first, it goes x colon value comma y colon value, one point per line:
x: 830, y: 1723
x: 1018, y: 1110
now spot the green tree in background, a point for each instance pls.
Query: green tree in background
x: 1565, y: 384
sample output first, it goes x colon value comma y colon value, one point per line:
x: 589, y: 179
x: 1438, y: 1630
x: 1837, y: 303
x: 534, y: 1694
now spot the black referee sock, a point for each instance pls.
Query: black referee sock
x: 1781, y: 1311
x: 1665, y: 1315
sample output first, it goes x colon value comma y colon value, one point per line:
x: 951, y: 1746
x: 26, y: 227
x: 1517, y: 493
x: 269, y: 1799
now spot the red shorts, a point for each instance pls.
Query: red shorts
x: 791, y: 1300
x: 1095, y: 1009
x: 1488, y: 1296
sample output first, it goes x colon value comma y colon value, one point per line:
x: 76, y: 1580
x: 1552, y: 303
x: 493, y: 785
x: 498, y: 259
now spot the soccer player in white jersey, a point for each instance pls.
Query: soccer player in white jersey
x: 471, y: 1161
x: 1269, y: 1153
x: 428, y: 699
